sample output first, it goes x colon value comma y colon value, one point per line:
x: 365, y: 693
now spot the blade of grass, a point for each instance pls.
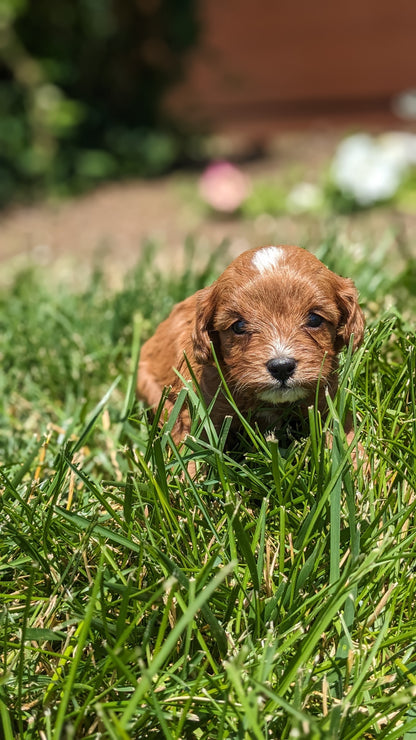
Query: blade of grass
x: 149, y: 673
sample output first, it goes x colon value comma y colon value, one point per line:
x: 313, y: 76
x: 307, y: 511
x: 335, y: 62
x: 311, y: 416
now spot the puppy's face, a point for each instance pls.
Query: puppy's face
x: 277, y: 318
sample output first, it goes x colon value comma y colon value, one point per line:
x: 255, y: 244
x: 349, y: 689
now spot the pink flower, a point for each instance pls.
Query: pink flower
x: 224, y: 187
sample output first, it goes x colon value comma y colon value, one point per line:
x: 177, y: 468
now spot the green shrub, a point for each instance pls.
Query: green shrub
x: 80, y: 89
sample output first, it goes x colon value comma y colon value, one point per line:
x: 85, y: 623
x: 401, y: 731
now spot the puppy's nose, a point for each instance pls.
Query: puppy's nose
x: 282, y: 368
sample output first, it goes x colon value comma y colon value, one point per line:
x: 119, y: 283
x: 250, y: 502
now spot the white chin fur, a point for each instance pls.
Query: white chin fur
x: 283, y: 395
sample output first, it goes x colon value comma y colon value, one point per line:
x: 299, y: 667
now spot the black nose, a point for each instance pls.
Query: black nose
x: 281, y: 368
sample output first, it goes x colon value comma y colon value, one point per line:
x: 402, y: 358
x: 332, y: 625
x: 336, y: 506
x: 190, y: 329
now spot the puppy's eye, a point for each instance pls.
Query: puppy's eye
x: 239, y: 327
x: 314, y: 320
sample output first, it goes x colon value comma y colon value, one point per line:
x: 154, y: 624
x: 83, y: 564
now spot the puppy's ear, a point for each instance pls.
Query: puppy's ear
x: 352, y: 318
x: 204, y: 333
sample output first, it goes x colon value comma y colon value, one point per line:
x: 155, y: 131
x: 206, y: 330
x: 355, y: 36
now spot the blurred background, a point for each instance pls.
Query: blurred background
x: 123, y: 121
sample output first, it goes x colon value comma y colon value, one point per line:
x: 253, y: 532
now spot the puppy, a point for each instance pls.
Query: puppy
x: 277, y: 319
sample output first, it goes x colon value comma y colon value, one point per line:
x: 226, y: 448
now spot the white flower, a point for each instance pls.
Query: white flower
x: 304, y: 197
x: 371, y: 170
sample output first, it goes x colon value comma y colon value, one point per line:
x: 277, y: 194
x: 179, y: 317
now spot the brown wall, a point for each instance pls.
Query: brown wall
x: 284, y: 58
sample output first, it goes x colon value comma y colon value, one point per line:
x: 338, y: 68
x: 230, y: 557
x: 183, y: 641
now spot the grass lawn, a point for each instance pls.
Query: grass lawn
x: 274, y: 596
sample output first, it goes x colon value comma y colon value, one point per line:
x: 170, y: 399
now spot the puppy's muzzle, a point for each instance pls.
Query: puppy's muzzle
x: 281, y: 368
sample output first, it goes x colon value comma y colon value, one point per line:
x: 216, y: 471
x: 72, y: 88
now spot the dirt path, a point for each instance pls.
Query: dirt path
x: 111, y: 223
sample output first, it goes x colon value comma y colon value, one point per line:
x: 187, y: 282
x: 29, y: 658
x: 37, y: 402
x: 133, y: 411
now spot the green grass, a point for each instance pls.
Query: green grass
x: 271, y: 597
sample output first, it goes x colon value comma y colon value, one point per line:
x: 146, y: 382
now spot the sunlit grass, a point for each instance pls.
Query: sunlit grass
x: 273, y: 595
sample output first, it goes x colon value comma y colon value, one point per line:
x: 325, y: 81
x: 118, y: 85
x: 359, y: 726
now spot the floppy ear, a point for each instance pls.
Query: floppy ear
x: 204, y: 333
x: 352, y: 318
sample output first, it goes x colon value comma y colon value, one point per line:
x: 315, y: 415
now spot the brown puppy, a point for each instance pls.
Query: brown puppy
x: 277, y: 319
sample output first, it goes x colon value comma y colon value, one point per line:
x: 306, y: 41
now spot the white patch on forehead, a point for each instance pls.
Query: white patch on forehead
x: 267, y: 258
